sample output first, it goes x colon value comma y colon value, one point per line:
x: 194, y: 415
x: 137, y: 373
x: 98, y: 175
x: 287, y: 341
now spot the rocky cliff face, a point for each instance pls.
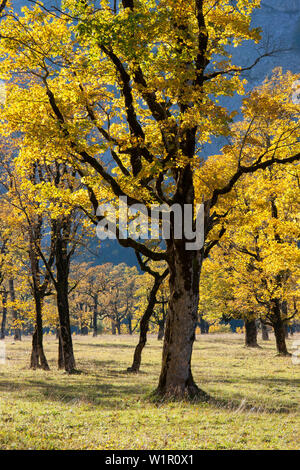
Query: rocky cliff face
x: 280, y: 22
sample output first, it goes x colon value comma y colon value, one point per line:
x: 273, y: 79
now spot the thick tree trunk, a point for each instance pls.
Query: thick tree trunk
x: 113, y: 328
x: 118, y: 325
x: 38, y: 358
x: 60, y: 362
x: 34, y: 358
x: 64, y: 323
x: 17, y: 335
x: 279, y: 330
x: 176, y: 378
x: 264, y: 332
x: 280, y: 339
x: 251, y: 334
x: 144, y: 327
x: 4, y: 314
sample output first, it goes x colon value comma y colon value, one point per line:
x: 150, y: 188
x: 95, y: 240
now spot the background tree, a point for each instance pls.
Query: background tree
x: 152, y: 105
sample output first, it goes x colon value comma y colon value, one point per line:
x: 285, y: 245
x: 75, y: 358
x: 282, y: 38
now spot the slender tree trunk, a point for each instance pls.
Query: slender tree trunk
x: 95, y: 317
x: 251, y: 334
x: 118, y: 327
x: 176, y: 378
x: 144, y: 326
x: 161, y: 330
x: 4, y: 314
x: 279, y: 330
x: 113, y: 327
x: 264, y: 332
x: 17, y: 335
x: 38, y: 358
x: 129, y: 319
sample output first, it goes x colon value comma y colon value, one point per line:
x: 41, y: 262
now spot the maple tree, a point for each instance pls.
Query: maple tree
x: 129, y: 97
x: 254, y: 273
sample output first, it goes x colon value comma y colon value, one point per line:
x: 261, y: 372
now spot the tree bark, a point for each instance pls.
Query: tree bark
x: 62, y: 294
x: 60, y: 362
x: 4, y: 314
x: 279, y: 330
x: 65, y: 328
x: 176, y: 378
x: 251, y: 334
x: 38, y: 358
x: 17, y: 335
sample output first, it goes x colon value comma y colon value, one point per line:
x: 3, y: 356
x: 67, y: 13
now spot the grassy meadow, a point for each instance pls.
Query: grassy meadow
x: 255, y: 400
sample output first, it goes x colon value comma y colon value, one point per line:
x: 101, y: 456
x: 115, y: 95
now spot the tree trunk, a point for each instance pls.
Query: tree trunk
x: 38, y: 358
x: 161, y: 330
x: 279, y: 330
x: 129, y: 319
x: 204, y: 327
x: 64, y: 323
x: 144, y: 326
x: 95, y: 317
x: 264, y: 332
x: 60, y: 362
x: 84, y: 331
x: 17, y: 335
x: 118, y: 324
x: 4, y: 314
x: 34, y: 358
x: 113, y: 327
x: 251, y: 334
x: 176, y: 378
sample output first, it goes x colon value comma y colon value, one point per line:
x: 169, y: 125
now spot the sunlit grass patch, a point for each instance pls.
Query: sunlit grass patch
x: 254, y: 401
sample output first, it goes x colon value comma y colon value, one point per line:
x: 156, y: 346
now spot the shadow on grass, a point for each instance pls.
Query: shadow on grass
x: 243, y: 406
x: 99, y: 394
x: 109, y: 345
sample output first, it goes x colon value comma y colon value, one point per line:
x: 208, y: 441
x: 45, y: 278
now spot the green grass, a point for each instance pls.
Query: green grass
x: 255, y: 404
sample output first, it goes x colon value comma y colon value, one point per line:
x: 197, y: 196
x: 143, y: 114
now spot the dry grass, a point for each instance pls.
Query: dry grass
x: 255, y: 403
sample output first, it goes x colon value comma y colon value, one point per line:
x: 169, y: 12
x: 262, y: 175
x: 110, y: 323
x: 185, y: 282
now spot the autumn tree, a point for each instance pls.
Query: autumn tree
x: 140, y: 82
